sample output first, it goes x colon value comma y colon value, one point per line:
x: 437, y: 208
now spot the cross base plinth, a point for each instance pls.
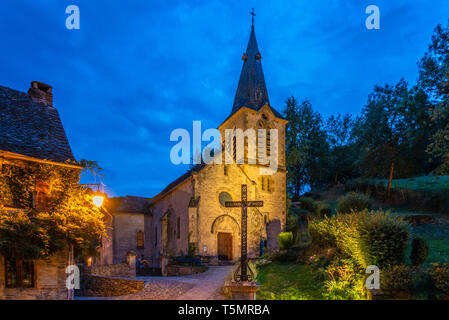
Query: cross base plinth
x: 244, y: 290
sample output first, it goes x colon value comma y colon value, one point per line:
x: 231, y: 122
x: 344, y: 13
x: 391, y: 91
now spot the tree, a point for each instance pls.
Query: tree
x: 69, y: 219
x: 434, y: 81
x: 342, y: 151
x: 381, y: 132
x: 306, y: 146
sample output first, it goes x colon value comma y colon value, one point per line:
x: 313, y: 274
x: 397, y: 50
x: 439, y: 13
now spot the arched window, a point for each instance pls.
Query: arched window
x: 140, y: 238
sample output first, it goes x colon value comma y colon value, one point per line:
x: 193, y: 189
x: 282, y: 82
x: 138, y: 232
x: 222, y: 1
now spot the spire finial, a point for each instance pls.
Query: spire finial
x: 252, y: 18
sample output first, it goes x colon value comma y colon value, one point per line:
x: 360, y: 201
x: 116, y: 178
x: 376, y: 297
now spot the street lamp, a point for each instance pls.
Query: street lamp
x: 98, y: 197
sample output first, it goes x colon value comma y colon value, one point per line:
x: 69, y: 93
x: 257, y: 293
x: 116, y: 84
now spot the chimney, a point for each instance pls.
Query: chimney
x: 41, y: 92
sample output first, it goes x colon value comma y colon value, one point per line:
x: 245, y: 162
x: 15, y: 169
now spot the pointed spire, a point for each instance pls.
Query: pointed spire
x: 251, y: 91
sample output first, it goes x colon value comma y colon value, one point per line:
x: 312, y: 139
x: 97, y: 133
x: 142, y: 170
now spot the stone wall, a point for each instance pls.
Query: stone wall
x: 112, y: 270
x: 99, y: 286
x: 49, y: 280
x: 176, y: 270
x: 125, y: 228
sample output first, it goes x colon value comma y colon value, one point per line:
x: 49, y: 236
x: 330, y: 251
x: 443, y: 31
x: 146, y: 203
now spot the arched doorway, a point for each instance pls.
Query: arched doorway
x: 226, y: 231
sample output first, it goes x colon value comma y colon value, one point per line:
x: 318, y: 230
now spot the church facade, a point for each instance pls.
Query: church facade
x: 189, y: 215
x: 191, y: 211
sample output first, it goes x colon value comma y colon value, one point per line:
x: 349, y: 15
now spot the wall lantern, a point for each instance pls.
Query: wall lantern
x: 98, y: 197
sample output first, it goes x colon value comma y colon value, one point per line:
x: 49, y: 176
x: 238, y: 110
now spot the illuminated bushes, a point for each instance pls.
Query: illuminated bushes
x: 353, y: 202
x: 285, y: 240
x: 368, y: 238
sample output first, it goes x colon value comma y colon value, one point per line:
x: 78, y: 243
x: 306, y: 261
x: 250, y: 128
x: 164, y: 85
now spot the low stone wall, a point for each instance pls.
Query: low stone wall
x: 177, y: 270
x: 99, y: 286
x: 112, y: 270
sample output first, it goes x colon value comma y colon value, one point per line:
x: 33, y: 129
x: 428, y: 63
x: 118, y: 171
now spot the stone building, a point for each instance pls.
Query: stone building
x: 189, y: 215
x: 31, y: 131
x: 128, y: 229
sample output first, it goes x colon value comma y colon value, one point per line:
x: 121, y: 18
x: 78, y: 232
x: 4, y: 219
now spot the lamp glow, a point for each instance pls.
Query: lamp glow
x: 98, y: 200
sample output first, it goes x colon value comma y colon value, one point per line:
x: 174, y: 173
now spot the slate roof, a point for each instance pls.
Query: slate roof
x: 252, y: 90
x: 129, y: 204
x: 31, y: 128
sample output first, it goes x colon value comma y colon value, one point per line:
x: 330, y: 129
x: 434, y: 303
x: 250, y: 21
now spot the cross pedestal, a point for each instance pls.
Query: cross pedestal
x: 243, y: 286
x: 243, y: 290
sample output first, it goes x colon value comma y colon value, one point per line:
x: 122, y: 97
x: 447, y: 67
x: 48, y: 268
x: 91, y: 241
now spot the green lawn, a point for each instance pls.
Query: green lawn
x: 288, y: 281
x: 425, y: 183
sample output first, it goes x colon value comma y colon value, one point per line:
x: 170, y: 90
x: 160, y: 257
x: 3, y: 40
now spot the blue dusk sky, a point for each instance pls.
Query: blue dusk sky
x: 136, y: 70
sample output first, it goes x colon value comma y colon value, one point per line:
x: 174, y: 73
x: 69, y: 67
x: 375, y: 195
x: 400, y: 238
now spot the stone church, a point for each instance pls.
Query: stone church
x: 191, y: 212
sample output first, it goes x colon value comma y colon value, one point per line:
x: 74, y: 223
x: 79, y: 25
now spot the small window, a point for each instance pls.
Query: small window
x: 223, y: 197
x: 178, y: 227
x: 225, y: 170
x: 263, y: 183
x: 19, y: 273
x: 140, y: 238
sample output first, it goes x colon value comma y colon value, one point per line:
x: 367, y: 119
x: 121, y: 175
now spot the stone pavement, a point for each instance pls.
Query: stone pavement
x: 201, y: 286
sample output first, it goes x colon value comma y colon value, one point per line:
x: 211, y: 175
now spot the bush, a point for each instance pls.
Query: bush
x: 322, y: 210
x: 368, y: 238
x: 440, y: 277
x: 346, y: 281
x: 420, y: 251
x: 285, y: 240
x: 383, y: 239
x: 397, y: 278
x: 308, y: 204
x: 289, y: 255
x: 353, y: 202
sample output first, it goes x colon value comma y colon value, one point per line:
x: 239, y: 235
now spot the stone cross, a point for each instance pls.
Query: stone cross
x: 244, y: 204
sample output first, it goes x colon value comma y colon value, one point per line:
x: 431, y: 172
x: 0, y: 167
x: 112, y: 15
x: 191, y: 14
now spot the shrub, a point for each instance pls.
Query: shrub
x: 289, y: 255
x: 285, y: 240
x: 353, y: 202
x: 369, y: 238
x: 397, y: 278
x: 322, y: 210
x: 308, y: 204
x: 420, y: 251
x: 383, y: 239
x: 345, y: 281
x: 440, y: 277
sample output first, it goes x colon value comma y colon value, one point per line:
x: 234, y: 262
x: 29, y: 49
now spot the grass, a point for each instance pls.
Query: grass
x: 288, y: 281
x: 425, y: 183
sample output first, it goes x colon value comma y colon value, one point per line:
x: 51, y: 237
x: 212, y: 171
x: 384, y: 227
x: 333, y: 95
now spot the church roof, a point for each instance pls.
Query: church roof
x: 252, y: 90
x: 31, y: 128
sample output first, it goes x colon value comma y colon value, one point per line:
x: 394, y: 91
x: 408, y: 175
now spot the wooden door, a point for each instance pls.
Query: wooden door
x: 224, y: 246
